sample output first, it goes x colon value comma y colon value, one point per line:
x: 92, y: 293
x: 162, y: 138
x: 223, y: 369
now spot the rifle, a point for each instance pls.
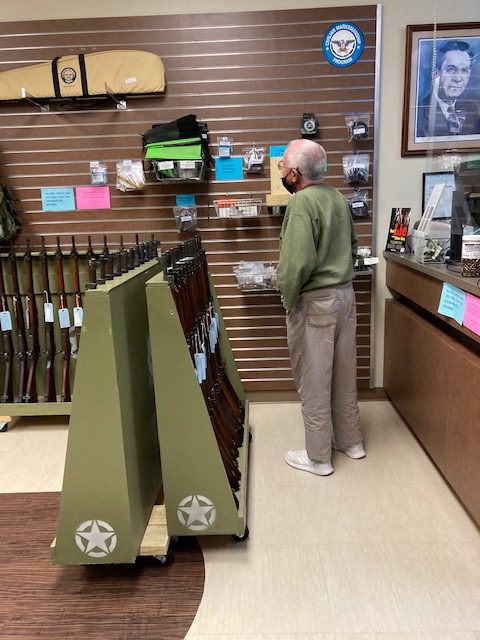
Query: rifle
x: 77, y: 312
x: 8, y: 351
x: 20, y: 324
x: 92, y: 274
x: 123, y: 257
x: 50, y: 394
x: 64, y: 325
x: 33, y: 351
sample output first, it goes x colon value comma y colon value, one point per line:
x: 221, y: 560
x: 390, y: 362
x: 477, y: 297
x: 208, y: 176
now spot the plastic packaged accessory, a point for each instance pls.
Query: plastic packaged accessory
x: 358, y: 203
x: 98, y: 173
x: 130, y: 175
x: 225, y: 146
x: 185, y: 218
x: 255, y: 276
x: 356, y: 168
x: 253, y: 159
x: 357, y: 125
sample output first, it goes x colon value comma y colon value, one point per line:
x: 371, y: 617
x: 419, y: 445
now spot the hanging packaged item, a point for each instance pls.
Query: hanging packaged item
x: 356, y: 168
x: 357, y: 126
x: 185, y: 218
x: 130, y: 175
x: 358, y: 203
x: 98, y: 173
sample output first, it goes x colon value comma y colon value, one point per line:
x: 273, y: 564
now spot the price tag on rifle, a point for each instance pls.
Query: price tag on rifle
x: 5, y: 320
x: 48, y: 312
x: 77, y: 316
x: 64, y: 318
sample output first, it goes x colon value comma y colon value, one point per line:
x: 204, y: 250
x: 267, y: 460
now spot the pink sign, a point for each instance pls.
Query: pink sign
x: 92, y: 197
x: 471, y: 318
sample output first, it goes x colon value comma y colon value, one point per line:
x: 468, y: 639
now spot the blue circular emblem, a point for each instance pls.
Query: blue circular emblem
x: 343, y: 44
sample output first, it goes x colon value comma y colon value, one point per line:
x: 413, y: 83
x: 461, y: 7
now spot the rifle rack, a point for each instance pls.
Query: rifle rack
x: 109, y: 511
x: 197, y: 494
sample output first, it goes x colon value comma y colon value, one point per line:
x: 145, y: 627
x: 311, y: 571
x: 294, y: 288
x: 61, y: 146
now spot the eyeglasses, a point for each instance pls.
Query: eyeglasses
x: 281, y: 167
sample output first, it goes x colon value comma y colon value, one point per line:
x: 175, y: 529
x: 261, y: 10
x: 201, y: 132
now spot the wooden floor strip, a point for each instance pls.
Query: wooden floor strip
x: 41, y: 600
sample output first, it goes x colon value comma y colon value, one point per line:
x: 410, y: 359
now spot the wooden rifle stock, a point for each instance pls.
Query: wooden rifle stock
x: 8, y: 351
x: 50, y: 394
x: 33, y: 351
x: 76, y: 288
x: 64, y: 330
x: 20, y: 328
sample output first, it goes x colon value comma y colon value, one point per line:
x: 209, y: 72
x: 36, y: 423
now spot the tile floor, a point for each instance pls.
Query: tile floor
x: 379, y: 550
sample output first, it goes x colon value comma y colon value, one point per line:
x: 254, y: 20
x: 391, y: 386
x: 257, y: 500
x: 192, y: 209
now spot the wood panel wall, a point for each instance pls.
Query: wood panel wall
x: 248, y: 75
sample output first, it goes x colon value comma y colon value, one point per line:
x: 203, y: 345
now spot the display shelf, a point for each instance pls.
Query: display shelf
x: 112, y: 474
x: 236, y: 208
x: 197, y: 493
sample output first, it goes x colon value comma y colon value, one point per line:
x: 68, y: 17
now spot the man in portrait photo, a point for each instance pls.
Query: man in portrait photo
x: 449, y: 105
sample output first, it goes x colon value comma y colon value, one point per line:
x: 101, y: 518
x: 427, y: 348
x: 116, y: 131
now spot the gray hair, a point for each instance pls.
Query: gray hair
x: 308, y: 157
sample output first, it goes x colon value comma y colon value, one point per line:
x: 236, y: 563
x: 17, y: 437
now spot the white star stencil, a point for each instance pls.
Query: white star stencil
x: 96, y: 534
x: 196, y: 512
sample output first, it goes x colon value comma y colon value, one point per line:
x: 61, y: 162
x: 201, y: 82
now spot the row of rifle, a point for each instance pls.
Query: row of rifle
x: 187, y: 274
x: 22, y: 387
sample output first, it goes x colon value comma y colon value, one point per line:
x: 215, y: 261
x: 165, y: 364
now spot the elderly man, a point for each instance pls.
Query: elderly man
x: 315, y: 271
x: 449, y: 110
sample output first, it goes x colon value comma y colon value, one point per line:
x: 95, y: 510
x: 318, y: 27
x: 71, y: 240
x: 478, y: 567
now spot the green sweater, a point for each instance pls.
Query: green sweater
x: 318, y: 244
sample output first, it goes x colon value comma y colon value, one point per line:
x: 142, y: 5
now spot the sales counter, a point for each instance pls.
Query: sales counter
x: 432, y: 371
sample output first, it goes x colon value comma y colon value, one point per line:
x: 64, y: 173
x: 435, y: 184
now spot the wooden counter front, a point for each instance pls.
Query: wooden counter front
x: 432, y: 375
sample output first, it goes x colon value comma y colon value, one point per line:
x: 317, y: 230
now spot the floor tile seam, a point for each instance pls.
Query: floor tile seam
x: 420, y: 544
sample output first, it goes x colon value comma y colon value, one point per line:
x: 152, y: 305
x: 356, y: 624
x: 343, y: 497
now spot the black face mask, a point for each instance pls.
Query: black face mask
x: 289, y: 187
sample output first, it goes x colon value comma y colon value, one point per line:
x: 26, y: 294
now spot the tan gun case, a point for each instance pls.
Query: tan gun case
x: 91, y: 74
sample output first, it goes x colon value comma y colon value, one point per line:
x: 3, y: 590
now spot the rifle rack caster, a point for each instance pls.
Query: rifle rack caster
x: 4, y: 420
x: 165, y: 560
x: 242, y: 537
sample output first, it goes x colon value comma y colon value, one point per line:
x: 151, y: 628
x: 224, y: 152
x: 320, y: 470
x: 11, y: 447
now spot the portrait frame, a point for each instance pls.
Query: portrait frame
x: 423, y: 44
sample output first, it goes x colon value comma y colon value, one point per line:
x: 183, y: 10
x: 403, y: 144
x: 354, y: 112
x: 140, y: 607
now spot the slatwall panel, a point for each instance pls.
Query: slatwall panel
x: 248, y: 75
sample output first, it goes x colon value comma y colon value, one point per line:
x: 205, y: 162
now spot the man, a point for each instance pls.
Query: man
x: 315, y: 271
x: 449, y: 110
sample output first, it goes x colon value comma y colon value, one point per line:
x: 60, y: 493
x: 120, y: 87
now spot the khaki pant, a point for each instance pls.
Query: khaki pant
x: 321, y: 339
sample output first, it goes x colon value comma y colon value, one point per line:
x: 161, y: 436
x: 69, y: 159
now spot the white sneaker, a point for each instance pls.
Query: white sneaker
x: 356, y: 452
x: 300, y: 460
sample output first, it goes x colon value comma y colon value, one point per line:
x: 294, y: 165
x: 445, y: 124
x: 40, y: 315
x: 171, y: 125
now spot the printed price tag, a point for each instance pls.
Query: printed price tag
x: 5, y: 320
x: 355, y: 205
x: 357, y: 130
x: 187, y: 164
x: 185, y: 218
x: 258, y: 279
x: 77, y: 316
x: 48, y: 311
x: 199, y: 358
x: 166, y: 164
x: 64, y: 318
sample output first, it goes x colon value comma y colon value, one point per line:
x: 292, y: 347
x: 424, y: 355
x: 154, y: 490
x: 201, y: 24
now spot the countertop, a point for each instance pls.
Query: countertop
x: 437, y: 271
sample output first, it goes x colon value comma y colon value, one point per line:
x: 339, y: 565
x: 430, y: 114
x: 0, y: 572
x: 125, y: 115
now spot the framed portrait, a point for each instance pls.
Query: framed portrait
x: 441, y: 108
x: 443, y: 210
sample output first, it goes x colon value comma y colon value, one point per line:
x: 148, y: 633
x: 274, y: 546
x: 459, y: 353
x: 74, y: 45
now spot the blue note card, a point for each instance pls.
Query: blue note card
x: 277, y: 151
x: 229, y: 168
x: 185, y: 200
x: 452, y: 302
x: 58, y: 199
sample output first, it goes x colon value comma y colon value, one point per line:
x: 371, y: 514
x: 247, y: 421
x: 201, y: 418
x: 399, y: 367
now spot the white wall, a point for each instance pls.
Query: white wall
x: 398, y: 179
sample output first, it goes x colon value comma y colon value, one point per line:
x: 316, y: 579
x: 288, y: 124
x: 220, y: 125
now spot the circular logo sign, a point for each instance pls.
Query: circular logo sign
x: 196, y: 512
x: 343, y: 44
x: 96, y: 538
x: 68, y: 75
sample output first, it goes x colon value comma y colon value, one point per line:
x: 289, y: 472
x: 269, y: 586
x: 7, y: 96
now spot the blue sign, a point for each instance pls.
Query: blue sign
x: 452, y: 302
x: 278, y: 151
x: 229, y: 168
x: 343, y: 44
x: 57, y: 199
x: 185, y: 200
